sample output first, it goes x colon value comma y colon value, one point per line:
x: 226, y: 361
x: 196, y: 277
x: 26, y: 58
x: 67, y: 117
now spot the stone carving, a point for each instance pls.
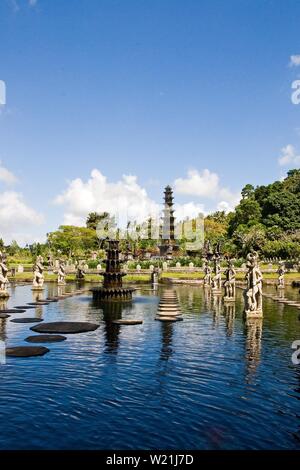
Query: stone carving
x: 155, y: 276
x: 217, y: 278
x: 207, y: 274
x: 253, y: 292
x: 3, y: 277
x: 281, y: 273
x: 229, y: 283
x: 80, y: 272
x: 61, y: 273
x: 38, y: 274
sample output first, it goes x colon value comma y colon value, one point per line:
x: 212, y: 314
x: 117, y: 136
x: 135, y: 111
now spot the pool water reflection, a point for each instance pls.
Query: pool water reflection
x: 212, y: 381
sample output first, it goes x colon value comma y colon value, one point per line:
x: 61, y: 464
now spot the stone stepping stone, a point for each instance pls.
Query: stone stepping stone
x: 169, y: 314
x: 26, y: 320
x: 45, y: 339
x: 52, y: 299
x: 37, y: 304
x: 127, y: 322
x: 168, y: 309
x: 169, y: 304
x: 65, y: 327
x: 168, y: 319
x: 3, y: 316
x: 26, y: 351
x: 26, y: 307
x: 12, y: 310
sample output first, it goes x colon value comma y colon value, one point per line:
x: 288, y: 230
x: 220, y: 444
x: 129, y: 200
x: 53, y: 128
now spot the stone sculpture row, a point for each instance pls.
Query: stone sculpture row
x: 253, y: 291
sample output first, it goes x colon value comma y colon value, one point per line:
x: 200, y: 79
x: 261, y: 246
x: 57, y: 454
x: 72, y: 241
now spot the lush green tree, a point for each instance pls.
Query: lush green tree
x: 248, y: 213
x: 94, y: 218
x: 73, y: 241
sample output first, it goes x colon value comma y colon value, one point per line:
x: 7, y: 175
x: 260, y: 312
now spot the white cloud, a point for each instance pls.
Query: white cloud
x: 206, y: 184
x: 289, y: 156
x: 7, y: 176
x: 294, y: 60
x: 125, y: 198
x: 189, y: 210
x: 16, y: 217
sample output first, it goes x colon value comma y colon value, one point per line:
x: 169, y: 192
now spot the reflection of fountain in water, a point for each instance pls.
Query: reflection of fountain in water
x: 254, y: 328
x: 229, y: 312
x: 111, y: 311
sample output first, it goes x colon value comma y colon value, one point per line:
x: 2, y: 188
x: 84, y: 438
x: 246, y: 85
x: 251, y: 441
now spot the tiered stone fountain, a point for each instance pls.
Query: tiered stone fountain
x: 112, y: 288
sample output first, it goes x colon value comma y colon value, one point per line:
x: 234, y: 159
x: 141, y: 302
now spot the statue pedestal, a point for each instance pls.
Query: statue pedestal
x: 37, y: 288
x: 229, y: 299
x: 4, y: 294
x: 216, y: 290
x: 254, y: 313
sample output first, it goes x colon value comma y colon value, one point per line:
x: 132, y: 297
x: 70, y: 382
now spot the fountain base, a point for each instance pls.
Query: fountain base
x: 112, y: 294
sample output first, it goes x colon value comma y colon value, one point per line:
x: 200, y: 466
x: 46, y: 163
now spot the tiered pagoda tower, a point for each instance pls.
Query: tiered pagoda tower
x: 168, y: 242
x: 112, y: 289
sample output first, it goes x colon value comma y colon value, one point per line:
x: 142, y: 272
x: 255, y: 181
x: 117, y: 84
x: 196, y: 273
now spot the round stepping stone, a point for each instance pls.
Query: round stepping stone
x: 37, y: 304
x: 52, y: 299
x: 169, y: 304
x: 168, y: 309
x: 26, y: 351
x: 65, y: 327
x: 128, y: 322
x: 169, y: 314
x: 45, y: 339
x: 26, y: 320
x: 12, y: 310
x: 168, y: 319
x: 26, y: 307
x: 3, y: 316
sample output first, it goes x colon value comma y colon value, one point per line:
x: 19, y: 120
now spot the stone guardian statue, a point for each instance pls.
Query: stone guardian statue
x: 229, y: 283
x: 281, y: 273
x: 253, y: 291
x: 38, y: 274
x: 4, y: 283
x: 207, y: 274
x: 61, y: 273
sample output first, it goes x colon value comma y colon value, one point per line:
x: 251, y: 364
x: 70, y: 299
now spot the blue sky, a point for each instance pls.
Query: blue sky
x: 161, y: 90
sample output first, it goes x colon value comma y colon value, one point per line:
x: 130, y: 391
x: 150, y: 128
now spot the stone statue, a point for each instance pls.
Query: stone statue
x: 155, y: 276
x: 229, y: 283
x: 217, y: 278
x: 38, y: 274
x: 207, y: 274
x: 80, y: 272
x: 253, y: 292
x: 61, y: 273
x: 281, y: 273
x: 3, y: 277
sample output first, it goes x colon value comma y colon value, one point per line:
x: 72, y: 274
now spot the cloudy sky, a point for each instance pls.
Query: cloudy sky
x: 107, y: 101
